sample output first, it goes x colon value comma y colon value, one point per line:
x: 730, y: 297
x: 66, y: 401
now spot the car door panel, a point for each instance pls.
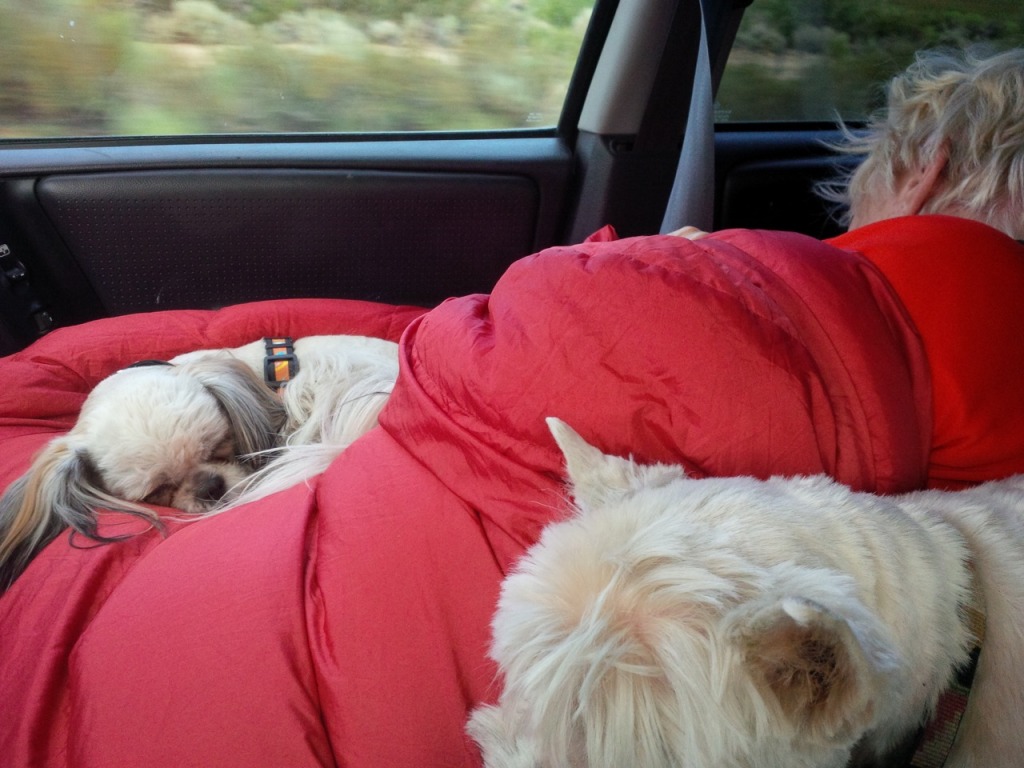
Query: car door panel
x: 175, y: 239
x: 131, y: 229
x: 765, y: 179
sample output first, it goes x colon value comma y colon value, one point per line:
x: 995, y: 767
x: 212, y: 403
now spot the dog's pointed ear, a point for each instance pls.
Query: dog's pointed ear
x: 823, y: 674
x: 598, y: 478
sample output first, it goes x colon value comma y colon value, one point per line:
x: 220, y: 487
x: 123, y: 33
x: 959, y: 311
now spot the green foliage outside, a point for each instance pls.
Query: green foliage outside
x: 145, y: 67
x: 812, y: 59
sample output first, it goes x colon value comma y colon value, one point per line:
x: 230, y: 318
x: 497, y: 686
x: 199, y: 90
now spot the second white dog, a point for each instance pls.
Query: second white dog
x: 734, y: 623
x: 200, y: 433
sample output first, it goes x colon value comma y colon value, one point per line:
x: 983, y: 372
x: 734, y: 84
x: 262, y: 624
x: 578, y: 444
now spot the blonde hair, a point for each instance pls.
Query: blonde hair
x: 964, y: 103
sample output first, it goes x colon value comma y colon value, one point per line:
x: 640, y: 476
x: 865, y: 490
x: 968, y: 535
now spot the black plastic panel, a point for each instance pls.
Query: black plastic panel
x: 779, y: 195
x: 766, y: 179
x: 26, y: 310
x: 174, y: 239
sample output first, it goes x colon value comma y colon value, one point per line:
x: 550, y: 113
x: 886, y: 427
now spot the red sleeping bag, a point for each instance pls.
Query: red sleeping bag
x: 347, y: 623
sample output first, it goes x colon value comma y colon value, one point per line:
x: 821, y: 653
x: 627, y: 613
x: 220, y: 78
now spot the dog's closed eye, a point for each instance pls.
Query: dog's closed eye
x: 162, y: 495
x: 224, y: 451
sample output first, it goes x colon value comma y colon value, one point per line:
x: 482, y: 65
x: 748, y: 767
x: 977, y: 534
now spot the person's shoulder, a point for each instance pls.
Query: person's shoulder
x: 927, y: 235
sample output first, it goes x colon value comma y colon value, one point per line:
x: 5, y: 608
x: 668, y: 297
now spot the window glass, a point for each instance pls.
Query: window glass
x: 810, y: 60
x: 166, y: 67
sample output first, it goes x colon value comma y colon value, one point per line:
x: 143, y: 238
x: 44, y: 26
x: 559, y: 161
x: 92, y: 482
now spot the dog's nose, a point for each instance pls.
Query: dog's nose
x: 210, y: 487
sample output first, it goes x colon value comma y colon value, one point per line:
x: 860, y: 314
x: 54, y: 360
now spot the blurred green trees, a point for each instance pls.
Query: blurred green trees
x: 59, y: 62
x: 144, y: 67
x: 813, y: 59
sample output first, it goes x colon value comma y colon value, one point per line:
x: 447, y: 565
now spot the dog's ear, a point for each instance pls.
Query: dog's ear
x: 824, y: 674
x: 597, y: 478
x: 255, y: 413
x: 57, y: 492
x: 25, y: 527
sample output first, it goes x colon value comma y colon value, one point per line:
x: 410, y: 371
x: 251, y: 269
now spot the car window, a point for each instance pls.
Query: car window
x: 72, y: 68
x: 809, y: 60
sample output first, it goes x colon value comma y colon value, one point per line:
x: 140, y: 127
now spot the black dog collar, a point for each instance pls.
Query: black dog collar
x: 938, y: 735
x: 280, y: 364
x: 148, y: 363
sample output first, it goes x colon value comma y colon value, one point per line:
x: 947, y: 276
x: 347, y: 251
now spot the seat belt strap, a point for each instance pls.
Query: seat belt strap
x: 692, y: 199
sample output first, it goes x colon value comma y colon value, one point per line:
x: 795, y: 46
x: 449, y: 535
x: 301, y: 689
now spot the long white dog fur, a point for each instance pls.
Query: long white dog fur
x: 728, y: 623
x: 201, y: 435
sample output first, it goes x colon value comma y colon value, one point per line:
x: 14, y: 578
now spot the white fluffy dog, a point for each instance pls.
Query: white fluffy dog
x: 200, y: 433
x: 728, y: 623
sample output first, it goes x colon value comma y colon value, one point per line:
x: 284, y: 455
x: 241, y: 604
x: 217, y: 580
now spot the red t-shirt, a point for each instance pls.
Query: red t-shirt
x: 963, y: 284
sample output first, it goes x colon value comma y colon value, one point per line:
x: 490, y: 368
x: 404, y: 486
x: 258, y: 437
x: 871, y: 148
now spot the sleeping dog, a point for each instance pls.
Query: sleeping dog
x: 202, y: 432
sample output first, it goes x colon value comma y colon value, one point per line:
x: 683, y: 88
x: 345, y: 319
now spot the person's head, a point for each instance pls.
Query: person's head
x: 950, y: 140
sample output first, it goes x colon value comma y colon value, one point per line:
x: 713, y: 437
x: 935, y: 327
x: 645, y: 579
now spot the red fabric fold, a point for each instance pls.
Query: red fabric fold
x: 749, y: 353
